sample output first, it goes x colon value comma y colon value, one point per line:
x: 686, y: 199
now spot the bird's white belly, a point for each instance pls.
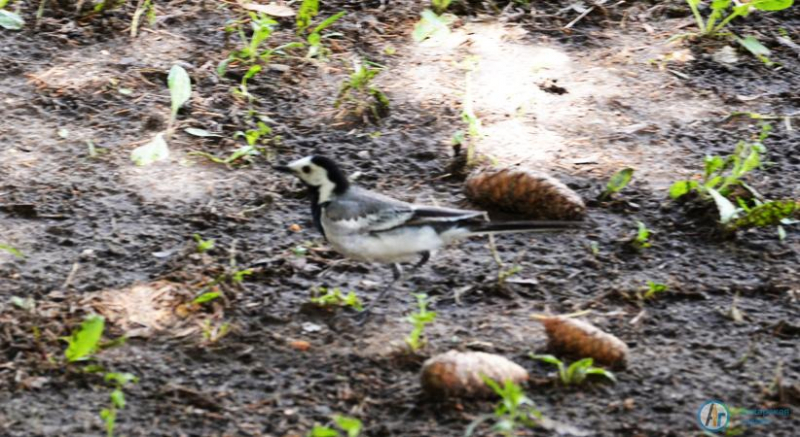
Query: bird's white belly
x: 403, y: 244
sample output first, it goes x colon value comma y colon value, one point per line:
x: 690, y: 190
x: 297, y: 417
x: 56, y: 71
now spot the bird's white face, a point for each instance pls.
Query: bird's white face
x: 308, y: 172
x: 313, y: 175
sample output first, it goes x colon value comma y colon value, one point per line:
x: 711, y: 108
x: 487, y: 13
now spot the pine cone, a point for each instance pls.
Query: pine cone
x: 461, y: 373
x: 534, y: 194
x: 583, y: 340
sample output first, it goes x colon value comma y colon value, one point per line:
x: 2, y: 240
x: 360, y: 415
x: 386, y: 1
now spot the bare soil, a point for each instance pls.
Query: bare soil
x: 580, y: 103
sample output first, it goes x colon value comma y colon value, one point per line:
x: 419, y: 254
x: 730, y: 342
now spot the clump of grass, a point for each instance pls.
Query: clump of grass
x: 577, y: 372
x: 419, y: 320
x: 514, y: 411
x: 359, y: 97
x: 333, y: 297
x: 723, y: 179
x: 724, y: 11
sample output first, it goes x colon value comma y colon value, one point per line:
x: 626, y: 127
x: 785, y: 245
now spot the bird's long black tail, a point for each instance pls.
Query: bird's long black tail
x: 523, y: 226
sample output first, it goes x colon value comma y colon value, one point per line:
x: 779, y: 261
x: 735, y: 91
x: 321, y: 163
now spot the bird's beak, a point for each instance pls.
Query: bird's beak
x: 282, y: 168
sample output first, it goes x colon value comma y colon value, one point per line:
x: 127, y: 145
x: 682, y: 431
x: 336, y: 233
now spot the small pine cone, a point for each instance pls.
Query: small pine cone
x: 583, y: 339
x: 460, y: 374
x: 534, y: 194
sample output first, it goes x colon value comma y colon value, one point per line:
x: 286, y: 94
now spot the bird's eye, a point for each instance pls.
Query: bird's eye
x: 306, y: 169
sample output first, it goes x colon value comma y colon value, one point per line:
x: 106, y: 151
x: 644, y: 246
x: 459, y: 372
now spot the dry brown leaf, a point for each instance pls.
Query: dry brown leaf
x: 275, y: 10
x: 460, y: 374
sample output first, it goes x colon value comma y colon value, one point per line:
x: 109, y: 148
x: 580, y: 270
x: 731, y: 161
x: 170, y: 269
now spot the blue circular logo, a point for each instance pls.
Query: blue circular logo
x: 713, y: 416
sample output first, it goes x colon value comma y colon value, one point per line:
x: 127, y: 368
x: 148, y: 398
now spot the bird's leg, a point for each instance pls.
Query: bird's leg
x: 425, y: 257
x: 397, y: 273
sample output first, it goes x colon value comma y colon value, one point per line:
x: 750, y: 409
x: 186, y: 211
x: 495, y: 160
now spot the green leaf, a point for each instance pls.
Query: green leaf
x: 206, y: 297
x: 110, y: 417
x: 83, y: 342
x: 308, y: 10
x: 251, y: 72
x: 601, y: 372
x: 547, y: 359
x: 11, y: 250
x: 118, y: 398
x: 350, y: 425
x: 712, y: 164
x: 10, y: 20
x: 180, y: 87
x: 771, y: 5
x: 155, y: 150
x: 754, y: 46
x: 681, y: 188
x: 328, y: 22
x: 618, y: 181
x: 200, y: 132
x: 323, y: 431
x: 430, y: 26
x: 727, y: 211
x: 120, y: 379
x: 767, y: 214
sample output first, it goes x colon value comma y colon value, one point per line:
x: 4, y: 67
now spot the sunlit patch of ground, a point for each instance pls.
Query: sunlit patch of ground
x: 175, y: 179
x: 593, y: 111
x: 143, y: 310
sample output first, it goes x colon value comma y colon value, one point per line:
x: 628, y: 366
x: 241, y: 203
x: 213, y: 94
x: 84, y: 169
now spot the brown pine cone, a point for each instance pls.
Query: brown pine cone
x: 583, y: 340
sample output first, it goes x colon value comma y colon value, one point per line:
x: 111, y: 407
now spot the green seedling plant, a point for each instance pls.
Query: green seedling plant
x: 350, y: 425
x: 308, y: 10
x: 252, y: 51
x: 257, y: 141
x: 617, y: 182
x: 10, y: 20
x: 358, y: 96
x: 329, y: 298
x: 85, y: 341
x: 653, y: 289
x: 146, y: 8
x: 440, y: 6
x: 213, y: 333
x: 117, y: 398
x: 180, y: 90
x: 577, y: 372
x: 207, y: 297
x: 504, y: 274
x: 515, y: 410
x: 642, y: 238
x: 723, y: 175
x: 203, y: 245
x: 12, y: 250
x: 724, y: 11
x: 419, y: 320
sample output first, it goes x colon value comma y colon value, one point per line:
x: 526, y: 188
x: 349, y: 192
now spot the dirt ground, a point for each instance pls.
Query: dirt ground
x: 90, y: 227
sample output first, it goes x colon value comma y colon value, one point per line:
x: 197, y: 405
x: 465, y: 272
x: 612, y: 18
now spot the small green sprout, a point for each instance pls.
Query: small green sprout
x: 654, y: 288
x: 11, y: 250
x: 359, y: 97
x: 10, y: 20
x: 117, y: 396
x: 617, y: 182
x: 146, y: 8
x: 432, y: 26
x: 327, y: 298
x: 419, y: 320
x: 203, y: 245
x: 180, y: 90
x: 515, y: 410
x: 349, y: 425
x: 577, y: 372
x: 642, y: 238
x: 85, y: 341
x: 723, y: 11
x: 504, y: 274
x: 206, y: 297
x: 314, y: 39
x: 214, y: 333
x: 440, y: 6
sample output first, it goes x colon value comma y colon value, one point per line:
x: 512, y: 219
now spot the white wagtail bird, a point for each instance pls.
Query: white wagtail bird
x: 367, y: 226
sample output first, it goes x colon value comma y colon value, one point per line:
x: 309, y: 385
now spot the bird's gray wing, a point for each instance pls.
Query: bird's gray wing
x: 364, y: 211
